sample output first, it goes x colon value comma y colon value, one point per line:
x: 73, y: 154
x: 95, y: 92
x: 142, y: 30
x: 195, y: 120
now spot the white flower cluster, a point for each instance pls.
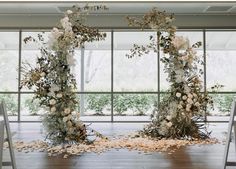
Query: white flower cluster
x: 66, y: 25
x: 187, y: 101
x: 180, y: 43
x: 53, y: 37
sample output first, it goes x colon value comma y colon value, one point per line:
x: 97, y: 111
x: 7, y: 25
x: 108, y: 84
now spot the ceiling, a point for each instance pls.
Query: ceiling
x: 115, y: 8
x: 217, y: 40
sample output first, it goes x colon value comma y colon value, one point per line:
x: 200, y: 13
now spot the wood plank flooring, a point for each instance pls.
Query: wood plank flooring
x: 191, y: 157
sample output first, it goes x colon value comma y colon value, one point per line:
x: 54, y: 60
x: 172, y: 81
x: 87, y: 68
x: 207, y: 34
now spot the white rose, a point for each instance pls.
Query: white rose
x: 184, y: 97
x: 52, y: 101
x: 59, y: 95
x: 178, y: 94
x: 67, y: 110
x: 197, y: 104
x: 169, y: 124
x: 187, y: 109
x: 53, y: 109
x: 168, y: 117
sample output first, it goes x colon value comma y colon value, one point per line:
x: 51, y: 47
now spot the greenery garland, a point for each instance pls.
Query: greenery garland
x: 180, y: 111
x: 53, y: 83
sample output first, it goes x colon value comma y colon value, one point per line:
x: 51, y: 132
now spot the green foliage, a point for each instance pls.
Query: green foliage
x: 141, y: 103
x: 223, y: 101
x: 33, y: 106
x: 137, y: 103
x: 11, y: 104
x: 98, y: 102
x: 122, y: 103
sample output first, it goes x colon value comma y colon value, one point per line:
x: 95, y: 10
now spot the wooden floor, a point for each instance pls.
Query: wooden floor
x: 191, y: 157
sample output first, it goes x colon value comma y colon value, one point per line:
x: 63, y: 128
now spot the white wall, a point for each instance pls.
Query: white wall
x: 117, y: 21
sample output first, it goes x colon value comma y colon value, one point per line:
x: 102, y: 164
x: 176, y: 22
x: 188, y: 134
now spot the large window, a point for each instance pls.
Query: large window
x: 220, y: 69
x: 136, y: 74
x: 113, y: 87
x: 9, y: 64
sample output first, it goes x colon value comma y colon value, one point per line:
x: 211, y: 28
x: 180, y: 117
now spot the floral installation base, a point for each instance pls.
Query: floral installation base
x: 130, y: 142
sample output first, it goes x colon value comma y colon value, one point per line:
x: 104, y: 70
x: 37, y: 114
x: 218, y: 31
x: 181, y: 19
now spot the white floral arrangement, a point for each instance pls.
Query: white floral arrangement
x: 181, y: 110
x: 52, y: 80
